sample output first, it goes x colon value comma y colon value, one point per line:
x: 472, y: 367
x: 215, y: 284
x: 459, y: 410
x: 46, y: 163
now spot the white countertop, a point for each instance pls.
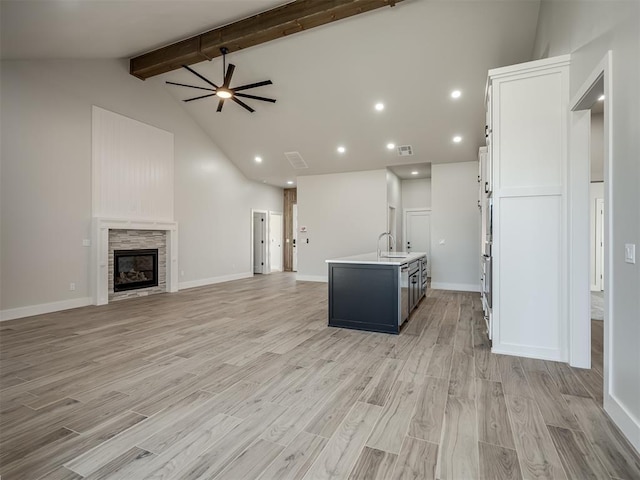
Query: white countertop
x: 373, y: 259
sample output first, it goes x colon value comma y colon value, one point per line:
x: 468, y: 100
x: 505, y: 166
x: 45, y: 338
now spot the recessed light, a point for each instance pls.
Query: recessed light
x: 456, y: 94
x: 290, y: 182
x: 391, y: 146
x: 414, y: 172
x: 258, y: 159
x: 341, y: 149
x: 379, y: 106
x: 601, y: 98
x: 457, y: 139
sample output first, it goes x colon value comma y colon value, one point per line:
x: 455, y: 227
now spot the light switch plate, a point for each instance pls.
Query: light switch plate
x: 86, y: 242
x: 630, y: 252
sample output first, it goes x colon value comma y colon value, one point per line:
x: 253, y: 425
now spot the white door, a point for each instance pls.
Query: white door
x: 295, y: 238
x: 259, y: 245
x: 418, y: 233
x: 275, y: 241
x: 600, y: 243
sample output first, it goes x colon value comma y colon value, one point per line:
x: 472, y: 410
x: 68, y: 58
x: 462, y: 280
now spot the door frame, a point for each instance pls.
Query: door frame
x: 404, y: 230
x: 271, y: 267
x: 578, y: 212
x: 392, y: 228
x: 294, y: 237
x: 267, y: 267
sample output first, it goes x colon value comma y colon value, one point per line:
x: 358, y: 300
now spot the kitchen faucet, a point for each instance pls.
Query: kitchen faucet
x: 393, y: 241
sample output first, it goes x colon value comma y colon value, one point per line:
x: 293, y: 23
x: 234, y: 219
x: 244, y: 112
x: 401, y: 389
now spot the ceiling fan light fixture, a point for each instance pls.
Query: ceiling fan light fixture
x: 224, y: 93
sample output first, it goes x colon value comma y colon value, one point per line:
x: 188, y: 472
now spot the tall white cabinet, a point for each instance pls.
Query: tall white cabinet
x: 527, y: 144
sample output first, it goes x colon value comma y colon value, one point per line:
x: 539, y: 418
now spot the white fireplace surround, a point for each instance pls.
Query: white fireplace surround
x: 100, y: 252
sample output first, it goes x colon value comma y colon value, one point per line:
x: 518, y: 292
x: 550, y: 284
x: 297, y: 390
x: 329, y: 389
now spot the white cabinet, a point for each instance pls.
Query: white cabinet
x: 527, y: 147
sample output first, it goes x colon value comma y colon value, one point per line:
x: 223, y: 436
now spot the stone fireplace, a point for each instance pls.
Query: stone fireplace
x: 134, y: 258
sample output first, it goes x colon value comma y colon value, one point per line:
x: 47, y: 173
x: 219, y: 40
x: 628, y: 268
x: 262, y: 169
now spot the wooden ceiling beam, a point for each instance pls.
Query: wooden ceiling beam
x: 276, y: 23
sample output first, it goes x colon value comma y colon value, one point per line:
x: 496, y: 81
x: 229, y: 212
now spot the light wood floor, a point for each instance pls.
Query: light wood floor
x: 244, y: 380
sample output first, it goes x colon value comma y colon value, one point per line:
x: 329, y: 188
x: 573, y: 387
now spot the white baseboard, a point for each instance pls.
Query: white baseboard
x: 625, y: 421
x: 212, y: 280
x: 22, y: 312
x: 311, y: 278
x: 460, y: 287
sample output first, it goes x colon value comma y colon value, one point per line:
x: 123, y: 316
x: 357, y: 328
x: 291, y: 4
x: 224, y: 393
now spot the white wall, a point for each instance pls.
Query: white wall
x: 588, y: 30
x: 46, y: 182
x: 456, y: 220
x: 416, y: 193
x: 344, y: 214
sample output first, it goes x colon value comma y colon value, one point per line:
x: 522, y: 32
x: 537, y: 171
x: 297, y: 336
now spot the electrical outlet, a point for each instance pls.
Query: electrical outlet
x: 72, y: 286
x: 86, y: 242
x: 182, y: 273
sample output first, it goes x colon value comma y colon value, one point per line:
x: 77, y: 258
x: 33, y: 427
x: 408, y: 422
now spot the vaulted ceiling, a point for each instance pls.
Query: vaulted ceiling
x: 326, y: 80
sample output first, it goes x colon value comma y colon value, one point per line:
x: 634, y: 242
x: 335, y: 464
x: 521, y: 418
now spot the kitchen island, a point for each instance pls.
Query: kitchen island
x: 375, y: 292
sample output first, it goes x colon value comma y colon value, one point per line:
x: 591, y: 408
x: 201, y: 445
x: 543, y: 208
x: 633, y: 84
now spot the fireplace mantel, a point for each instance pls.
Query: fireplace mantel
x: 100, y: 252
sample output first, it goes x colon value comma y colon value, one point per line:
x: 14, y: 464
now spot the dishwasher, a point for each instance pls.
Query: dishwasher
x: 404, y: 294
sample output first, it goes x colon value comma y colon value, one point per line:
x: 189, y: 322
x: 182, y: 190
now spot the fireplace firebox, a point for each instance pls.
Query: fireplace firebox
x: 133, y: 269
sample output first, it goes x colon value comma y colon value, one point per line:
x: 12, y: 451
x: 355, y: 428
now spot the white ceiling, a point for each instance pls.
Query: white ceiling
x: 326, y: 80
x: 111, y: 28
x: 406, y: 172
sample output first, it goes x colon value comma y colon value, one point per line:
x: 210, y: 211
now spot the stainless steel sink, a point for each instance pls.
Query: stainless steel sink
x: 391, y: 255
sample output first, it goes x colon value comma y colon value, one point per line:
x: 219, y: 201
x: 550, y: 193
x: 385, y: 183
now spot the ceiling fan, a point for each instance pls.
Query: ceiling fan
x: 225, y: 92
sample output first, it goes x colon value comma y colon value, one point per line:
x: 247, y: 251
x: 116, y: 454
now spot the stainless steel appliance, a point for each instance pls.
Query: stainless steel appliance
x: 423, y: 276
x: 404, y: 294
x: 487, y: 269
x: 486, y: 285
x: 415, y: 284
x: 489, y: 220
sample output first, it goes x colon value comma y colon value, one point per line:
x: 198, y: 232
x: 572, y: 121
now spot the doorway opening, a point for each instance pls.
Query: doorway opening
x: 258, y: 242
x: 596, y: 230
x: 590, y: 224
x: 417, y: 232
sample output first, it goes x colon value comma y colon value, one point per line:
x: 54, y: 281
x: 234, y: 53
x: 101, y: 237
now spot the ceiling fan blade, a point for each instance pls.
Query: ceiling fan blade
x: 242, y: 104
x: 198, y: 98
x: 191, y: 86
x: 200, y: 76
x: 220, y: 104
x: 252, y: 85
x: 264, y: 99
x: 227, y: 77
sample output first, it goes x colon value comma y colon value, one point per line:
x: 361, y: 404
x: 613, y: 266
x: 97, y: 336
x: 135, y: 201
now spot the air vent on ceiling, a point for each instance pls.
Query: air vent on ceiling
x: 296, y: 160
x: 405, y: 150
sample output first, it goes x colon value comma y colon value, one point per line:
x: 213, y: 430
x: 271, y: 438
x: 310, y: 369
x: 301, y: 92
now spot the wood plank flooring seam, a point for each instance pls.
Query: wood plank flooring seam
x: 119, y: 346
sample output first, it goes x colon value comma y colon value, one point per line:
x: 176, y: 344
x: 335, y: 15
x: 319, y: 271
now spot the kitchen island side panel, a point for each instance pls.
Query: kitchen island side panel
x: 364, y: 297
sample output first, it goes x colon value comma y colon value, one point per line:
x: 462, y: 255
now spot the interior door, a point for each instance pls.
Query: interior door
x: 259, y: 246
x: 295, y: 238
x: 418, y: 233
x: 275, y: 241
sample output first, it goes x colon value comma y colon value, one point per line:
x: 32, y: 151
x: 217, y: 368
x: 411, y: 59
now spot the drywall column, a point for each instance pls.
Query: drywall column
x: 455, y: 227
x: 343, y: 214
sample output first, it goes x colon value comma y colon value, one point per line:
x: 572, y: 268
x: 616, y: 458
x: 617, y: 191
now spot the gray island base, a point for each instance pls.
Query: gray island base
x: 375, y: 293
